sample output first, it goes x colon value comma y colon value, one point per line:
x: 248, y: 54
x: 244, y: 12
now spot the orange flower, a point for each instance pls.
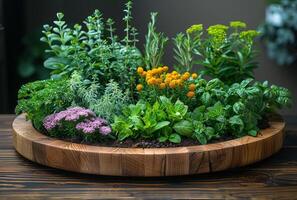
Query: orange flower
x: 168, y: 80
x: 174, y: 72
x: 190, y: 94
x: 194, y: 75
x: 172, y: 84
x: 160, y: 70
x: 176, y: 76
x: 151, y: 81
x: 165, y: 69
x: 144, y: 74
x: 162, y: 86
x: 179, y: 82
x: 186, y: 76
x: 158, y: 80
x: 192, y: 87
x: 154, y: 71
x: 140, y: 70
x: 139, y: 87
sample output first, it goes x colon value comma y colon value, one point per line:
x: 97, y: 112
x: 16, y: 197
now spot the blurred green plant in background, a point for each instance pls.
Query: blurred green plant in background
x: 279, y: 31
x: 30, y: 64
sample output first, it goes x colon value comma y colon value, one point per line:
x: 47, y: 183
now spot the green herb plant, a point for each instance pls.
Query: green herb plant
x: 93, y: 49
x: 227, y: 56
x: 105, y: 102
x: 154, y: 46
x: 42, y: 98
x: 147, y: 121
x: 222, y: 110
x: 185, y: 45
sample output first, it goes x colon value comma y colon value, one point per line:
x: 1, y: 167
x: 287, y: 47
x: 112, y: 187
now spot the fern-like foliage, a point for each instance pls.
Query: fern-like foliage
x: 105, y: 102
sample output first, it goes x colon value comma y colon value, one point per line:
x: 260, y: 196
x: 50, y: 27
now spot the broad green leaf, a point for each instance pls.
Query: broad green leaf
x: 55, y: 63
x: 238, y: 107
x: 125, y: 133
x: 159, y: 126
x: 201, y: 138
x: 184, y: 128
x: 253, y: 133
x: 205, y: 98
x: 163, y: 139
x: 175, y: 138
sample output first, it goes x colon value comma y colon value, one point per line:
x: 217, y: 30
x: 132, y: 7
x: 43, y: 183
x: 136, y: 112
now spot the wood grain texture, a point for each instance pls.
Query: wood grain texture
x: 272, y: 178
x: 145, y: 162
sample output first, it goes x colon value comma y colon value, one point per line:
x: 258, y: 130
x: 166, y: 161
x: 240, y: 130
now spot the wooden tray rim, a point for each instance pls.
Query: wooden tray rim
x: 24, y: 128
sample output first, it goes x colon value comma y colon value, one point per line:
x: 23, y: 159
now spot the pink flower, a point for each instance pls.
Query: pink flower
x: 105, y: 130
x: 84, y: 120
x: 71, y: 114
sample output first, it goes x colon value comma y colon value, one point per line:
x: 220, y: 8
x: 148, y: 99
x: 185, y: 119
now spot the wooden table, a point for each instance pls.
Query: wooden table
x: 273, y: 178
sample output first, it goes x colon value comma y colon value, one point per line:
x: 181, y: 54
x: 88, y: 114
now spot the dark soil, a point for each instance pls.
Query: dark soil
x: 140, y: 143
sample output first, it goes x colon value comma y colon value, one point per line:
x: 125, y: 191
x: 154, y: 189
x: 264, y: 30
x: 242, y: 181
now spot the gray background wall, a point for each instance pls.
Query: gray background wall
x: 174, y: 16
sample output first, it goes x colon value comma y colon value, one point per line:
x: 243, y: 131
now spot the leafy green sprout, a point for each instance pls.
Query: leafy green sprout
x: 155, y: 45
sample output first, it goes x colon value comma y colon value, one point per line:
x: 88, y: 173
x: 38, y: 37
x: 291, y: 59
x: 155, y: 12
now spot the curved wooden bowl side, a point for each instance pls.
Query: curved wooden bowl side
x: 145, y: 162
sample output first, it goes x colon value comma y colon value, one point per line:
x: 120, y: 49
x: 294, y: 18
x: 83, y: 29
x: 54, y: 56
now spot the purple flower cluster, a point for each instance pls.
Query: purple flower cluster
x: 90, y: 126
x: 86, y: 120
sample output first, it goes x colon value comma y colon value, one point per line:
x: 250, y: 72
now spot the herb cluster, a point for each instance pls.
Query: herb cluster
x: 220, y: 110
x: 102, y: 88
x: 93, y: 49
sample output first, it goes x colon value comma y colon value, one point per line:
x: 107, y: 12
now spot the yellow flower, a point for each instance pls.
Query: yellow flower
x: 165, y: 69
x: 158, y: 81
x: 168, y: 80
x: 195, y: 28
x: 194, y: 75
x: 154, y: 71
x: 160, y: 70
x: 172, y: 84
x: 192, y: 87
x: 139, y: 87
x: 140, y: 70
x: 249, y: 35
x: 179, y: 82
x: 190, y: 94
x: 162, y: 86
x: 151, y: 81
x: 186, y: 76
x: 144, y: 74
x: 237, y: 24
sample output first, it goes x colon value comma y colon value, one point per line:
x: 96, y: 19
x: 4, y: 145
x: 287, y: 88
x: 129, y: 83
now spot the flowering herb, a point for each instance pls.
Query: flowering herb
x: 76, y: 122
x: 225, y: 52
x: 159, y: 82
x: 96, y: 81
x: 220, y: 110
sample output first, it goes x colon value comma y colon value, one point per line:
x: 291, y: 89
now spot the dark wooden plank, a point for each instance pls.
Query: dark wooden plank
x: 273, y: 178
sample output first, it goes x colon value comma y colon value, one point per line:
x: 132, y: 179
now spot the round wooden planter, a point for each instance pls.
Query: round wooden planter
x: 145, y: 162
